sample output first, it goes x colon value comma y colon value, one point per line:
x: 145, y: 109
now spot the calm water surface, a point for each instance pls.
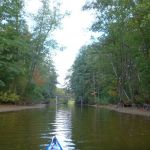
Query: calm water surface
x: 76, y: 128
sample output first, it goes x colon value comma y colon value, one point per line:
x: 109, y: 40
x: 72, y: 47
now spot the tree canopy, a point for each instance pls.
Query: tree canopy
x: 116, y: 68
x: 26, y: 68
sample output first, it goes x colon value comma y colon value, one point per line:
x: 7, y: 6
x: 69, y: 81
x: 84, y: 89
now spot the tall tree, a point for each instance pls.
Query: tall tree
x: 123, y: 47
x: 46, y: 21
x: 27, y: 70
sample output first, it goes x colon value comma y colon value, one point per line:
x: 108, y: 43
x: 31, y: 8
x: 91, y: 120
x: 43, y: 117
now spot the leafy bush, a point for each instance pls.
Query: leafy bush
x: 104, y: 101
x: 9, y: 97
x: 139, y: 100
x: 34, y: 94
x: 2, y: 84
x: 37, y: 93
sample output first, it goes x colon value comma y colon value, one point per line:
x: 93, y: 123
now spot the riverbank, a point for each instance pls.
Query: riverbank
x: 9, y: 108
x: 127, y: 110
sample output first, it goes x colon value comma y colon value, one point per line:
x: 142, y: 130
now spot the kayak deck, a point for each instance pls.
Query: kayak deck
x: 54, y: 145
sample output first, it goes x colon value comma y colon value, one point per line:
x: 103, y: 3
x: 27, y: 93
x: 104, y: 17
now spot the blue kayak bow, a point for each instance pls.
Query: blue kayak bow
x: 54, y: 145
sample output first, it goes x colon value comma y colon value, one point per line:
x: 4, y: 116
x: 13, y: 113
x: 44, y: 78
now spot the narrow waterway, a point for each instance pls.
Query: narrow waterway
x: 76, y: 128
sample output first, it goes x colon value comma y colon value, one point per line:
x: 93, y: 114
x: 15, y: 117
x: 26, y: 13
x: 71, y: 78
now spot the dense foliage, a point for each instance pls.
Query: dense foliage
x: 26, y: 69
x: 116, y: 68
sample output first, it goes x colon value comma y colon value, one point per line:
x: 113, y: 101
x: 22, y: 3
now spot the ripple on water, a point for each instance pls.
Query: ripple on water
x: 61, y: 127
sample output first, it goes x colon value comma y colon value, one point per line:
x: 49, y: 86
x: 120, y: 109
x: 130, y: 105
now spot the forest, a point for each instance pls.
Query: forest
x: 115, y: 68
x: 27, y: 72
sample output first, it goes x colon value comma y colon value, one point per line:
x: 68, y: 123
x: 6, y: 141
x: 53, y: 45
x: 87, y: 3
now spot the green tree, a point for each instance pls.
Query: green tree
x: 14, y: 37
x: 119, y: 63
x: 27, y: 70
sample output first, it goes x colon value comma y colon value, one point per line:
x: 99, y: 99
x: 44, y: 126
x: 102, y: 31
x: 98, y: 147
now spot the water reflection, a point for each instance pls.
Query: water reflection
x: 62, y: 128
x: 89, y: 129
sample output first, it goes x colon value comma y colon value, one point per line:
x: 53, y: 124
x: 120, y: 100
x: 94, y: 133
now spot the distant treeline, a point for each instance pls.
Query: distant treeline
x: 116, y: 67
x: 26, y: 69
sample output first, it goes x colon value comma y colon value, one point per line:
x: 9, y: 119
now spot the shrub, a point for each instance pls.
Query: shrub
x: 9, y: 97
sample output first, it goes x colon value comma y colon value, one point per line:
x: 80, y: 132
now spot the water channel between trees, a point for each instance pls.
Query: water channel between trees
x: 76, y: 128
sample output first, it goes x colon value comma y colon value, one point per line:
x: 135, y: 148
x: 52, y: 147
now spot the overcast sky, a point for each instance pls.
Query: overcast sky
x: 73, y: 35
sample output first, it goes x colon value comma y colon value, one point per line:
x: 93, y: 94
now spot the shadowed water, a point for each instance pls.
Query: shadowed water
x: 76, y: 129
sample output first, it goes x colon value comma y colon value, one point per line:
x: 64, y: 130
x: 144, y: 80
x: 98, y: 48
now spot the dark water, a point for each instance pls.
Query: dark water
x: 76, y: 129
